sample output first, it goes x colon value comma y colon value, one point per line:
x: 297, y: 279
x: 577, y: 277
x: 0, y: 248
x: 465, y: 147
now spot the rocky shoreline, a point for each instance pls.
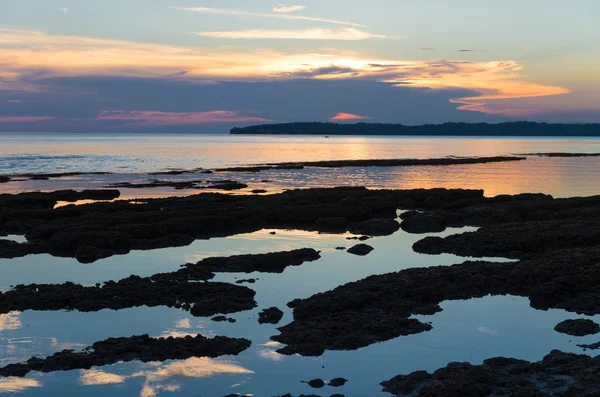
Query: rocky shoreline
x: 555, y: 244
x: 95, y: 231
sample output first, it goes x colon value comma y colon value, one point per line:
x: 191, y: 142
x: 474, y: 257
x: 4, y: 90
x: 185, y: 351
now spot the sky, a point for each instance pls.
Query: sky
x: 209, y: 65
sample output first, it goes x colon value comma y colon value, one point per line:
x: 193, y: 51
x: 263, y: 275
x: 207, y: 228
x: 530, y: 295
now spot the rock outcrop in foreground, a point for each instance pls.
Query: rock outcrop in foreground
x: 556, y: 240
x: 95, y: 231
x: 558, y: 374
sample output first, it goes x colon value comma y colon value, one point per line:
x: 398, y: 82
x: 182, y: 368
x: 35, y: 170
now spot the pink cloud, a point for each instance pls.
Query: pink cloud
x: 347, y: 117
x: 23, y: 119
x: 153, y: 118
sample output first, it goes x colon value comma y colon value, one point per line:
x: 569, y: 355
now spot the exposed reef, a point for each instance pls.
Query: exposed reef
x: 558, y: 374
x: 557, y: 242
x: 580, y: 327
x: 360, y: 250
x: 94, y: 231
x: 141, y: 348
x: 271, y: 315
x: 374, y: 163
x: 182, y: 289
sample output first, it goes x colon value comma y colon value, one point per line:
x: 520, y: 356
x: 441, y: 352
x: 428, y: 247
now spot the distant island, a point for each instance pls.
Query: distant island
x: 521, y: 128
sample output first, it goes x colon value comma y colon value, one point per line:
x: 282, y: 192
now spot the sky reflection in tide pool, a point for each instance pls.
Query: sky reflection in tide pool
x: 464, y: 331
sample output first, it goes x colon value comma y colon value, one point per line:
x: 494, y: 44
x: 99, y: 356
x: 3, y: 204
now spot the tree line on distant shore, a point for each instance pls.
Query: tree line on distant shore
x: 521, y: 128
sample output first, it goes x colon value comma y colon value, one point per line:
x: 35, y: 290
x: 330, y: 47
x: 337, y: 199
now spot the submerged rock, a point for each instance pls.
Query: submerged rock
x: 361, y: 250
x: 137, y: 348
x: 580, y: 327
x: 271, y: 315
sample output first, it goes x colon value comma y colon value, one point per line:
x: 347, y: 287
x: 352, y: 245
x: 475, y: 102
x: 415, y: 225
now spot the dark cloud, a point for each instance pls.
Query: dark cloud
x: 76, y: 102
x: 427, y: 48
x: 328, y: 70
x: 472, y: 50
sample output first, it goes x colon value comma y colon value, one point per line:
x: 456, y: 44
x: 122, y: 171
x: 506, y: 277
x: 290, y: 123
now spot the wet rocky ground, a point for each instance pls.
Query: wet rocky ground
x: 555, y: 244
x: 142, y: 348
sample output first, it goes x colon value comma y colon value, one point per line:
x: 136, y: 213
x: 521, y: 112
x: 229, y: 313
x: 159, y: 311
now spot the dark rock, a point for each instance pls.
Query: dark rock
x: 580, y: 327
x: 222, y: 319
x: 420, y: 223
x: 361, y: 250
x: 246, y: 281
x: 375, y: 227
x: 177, y: 221
x: 332, y: 224
x: 142, y: 348
x: 4, y: 179
x: 558, y: 374
x: 337, y: 382
x: 259, y: 191
x: 229, y: 186
x: 271, y: 315
x: 275, y: 262
x: 398, y: 162
x: 361, y: 238
x: 378, y: 308
x: 340, y: 248
x: 315, y: 383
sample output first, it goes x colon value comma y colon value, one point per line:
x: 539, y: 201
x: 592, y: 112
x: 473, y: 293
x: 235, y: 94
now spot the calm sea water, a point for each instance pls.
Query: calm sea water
x: 470, y: 330
x: 130, y: 156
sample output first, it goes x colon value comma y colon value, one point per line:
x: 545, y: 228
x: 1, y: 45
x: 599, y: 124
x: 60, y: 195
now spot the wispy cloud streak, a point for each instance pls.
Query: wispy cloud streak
x: 349, y: 34
x: 283, y: 8
x: 225, y: 11
x: 154, y: 118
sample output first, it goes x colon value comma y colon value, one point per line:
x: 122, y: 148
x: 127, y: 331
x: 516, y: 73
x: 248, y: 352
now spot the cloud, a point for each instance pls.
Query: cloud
x: 64, y: 10
x: 30, y: 59
x: 10, y: 321
x: 427, y: 48
x: 283, y: 8
x: 472, y: 50
x: 17, y: 385
x: 347, y: 117
x: 156, y: 118
x: 23, y: 119
x: 303, y: 34
x: 486, y: 330
x: 97, y: 377
x: 224, y: 11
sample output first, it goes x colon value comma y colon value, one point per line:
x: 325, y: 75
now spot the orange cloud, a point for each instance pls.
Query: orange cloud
x: 153, y: 118
x: 347, y: 117
x: 27, y: 52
